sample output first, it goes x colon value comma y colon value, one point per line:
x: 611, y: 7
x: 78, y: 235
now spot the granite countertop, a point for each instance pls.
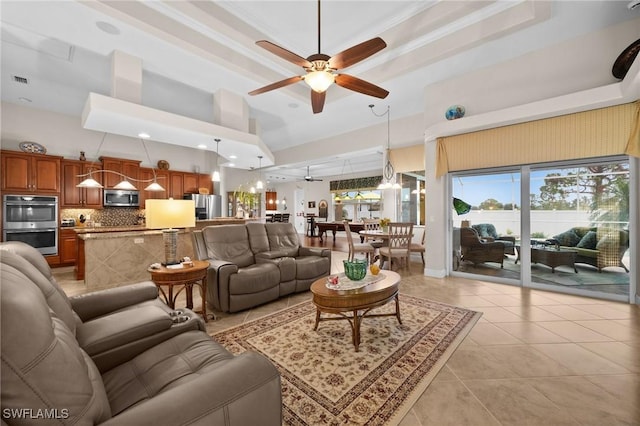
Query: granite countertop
x: 144, y: 229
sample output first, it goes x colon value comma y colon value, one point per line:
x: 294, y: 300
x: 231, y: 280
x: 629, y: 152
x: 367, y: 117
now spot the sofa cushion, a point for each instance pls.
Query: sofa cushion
x: 589, y: 241
x: 258, y: 237
x: 486, y: 230
x: 29, y: 261
x: 43, y: 368
x: 312, y: 267
x: 230, y: 243
x: 283, y: 237
x: 254, y: 279
x: 567, y: 238
x: 163, y: 367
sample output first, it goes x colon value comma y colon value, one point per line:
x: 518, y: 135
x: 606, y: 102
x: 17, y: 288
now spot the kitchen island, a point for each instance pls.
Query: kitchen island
x: 110, y: 256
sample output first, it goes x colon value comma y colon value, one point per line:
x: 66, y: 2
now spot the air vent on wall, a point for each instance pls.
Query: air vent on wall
x: 21, y: 80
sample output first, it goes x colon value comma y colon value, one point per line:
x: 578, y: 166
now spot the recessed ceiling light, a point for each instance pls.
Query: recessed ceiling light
x: 144, y: 135
x: 202, y: 146
x: 233, y: 157
x: 23, y: 99
x: 108, y: 28
x: 231, y: 165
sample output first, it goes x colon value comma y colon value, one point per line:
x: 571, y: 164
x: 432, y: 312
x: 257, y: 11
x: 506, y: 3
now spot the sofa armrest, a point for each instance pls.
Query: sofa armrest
x: 506, y: 238
x: 270, y: 255
x: 314, y: 251
x: 218, y: 277
x: 98, y: 303
x: 244, y: 391
x: 120, y: 328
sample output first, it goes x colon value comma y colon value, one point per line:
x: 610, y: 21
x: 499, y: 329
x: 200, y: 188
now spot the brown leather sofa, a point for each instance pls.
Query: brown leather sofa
x: 256, y: 263
x: 117, y: 357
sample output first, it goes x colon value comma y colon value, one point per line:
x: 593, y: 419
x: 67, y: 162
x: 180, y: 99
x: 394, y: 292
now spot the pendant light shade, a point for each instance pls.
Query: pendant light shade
x: 125, y: 185
x: 259, y: 184
x: 89, y: 183
x: 215, y: 177
x: 154, y: 186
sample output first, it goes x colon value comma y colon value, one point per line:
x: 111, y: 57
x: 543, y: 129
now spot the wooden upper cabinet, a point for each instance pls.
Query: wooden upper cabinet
x: 71, y: 196
x: 270, y: 200
x: 204, y: 181
x: 28, y: 173
x: 129, y: 168
x: 176, y: 188
x: 190, y: 183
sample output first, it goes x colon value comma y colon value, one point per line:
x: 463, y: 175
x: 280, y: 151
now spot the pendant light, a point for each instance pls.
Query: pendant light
x: 259, y: 184
x: 388, y: 172
x: 215, y: 177
x: 153, y: 186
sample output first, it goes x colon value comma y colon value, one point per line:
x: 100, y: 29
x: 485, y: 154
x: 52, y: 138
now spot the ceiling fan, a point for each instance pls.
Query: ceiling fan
x: 310, y: 178
x: 320, y: 69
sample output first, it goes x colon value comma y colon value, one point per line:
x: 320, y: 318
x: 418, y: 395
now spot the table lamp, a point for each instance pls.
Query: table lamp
x: 169, y: 215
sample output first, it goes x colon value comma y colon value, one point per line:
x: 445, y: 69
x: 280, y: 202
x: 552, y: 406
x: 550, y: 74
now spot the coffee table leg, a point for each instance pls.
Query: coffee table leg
x: 356, y: 330
x: 315, y: 328
x: 398, y: 309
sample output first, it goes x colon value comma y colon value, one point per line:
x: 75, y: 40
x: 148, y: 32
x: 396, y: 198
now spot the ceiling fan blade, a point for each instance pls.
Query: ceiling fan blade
x: 357, y: 53
x: 276, y: 85
x: 284, y: 53
x: 317, y: 101
x: 361, y: 86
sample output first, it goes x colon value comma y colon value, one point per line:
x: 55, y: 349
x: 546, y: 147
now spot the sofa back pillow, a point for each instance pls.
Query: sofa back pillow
x: 589, y: 241
x: 567, y: 238
x: 283, y: 237
x: 230, y: 243
x: 258, y: 239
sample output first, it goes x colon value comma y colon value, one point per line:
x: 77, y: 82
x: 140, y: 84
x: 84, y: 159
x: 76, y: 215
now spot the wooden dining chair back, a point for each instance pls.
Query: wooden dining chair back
x: 373, y: 225
x: 355, y: 247
x: 277, y: 217
x: 419, y: 247
x: 400, y: 235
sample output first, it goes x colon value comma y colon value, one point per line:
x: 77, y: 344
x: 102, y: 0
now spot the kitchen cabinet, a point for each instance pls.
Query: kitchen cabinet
x: 121, y: 166
x: 162, y: 177
x: 30, y: 173
x: 70, y: 195
x: 190, y: 183
x: 270, y: 200
x: 67, y: 247
x: 204, y: 181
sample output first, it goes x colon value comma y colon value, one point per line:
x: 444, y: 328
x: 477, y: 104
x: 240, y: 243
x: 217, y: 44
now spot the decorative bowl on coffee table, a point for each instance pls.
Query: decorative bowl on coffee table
x: 356, y: 269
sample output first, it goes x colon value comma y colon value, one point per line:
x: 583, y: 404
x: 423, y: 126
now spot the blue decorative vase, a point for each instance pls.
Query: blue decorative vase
x: 454, y: 112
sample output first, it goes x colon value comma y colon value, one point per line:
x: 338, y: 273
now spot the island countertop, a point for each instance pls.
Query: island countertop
x: 142, y: 228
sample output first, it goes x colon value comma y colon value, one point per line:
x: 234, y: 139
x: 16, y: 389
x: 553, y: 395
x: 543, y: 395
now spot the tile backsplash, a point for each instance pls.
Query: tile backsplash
x: 112, y: 216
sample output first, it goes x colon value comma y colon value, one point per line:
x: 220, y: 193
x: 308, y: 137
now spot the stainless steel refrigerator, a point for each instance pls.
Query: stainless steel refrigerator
x: 207, y: 206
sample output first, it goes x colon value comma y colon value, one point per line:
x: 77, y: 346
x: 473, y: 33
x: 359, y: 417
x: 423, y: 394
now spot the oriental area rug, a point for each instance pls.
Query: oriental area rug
x: 324, y: 381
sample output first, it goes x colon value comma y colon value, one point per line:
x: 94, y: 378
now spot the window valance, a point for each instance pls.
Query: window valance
x: 601, y: 132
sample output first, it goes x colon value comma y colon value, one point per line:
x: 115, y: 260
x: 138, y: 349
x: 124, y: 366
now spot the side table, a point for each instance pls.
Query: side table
x: 185, y: 277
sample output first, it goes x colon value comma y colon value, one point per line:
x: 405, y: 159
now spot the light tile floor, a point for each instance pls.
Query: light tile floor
x: 534, y: 358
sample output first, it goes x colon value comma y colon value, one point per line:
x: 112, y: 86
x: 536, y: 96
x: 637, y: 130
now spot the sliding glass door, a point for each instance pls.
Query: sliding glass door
x: 576, y: 221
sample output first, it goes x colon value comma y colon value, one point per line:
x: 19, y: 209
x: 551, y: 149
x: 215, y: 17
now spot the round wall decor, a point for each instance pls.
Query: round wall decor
x: 163, y: 165
x: 32, y: 147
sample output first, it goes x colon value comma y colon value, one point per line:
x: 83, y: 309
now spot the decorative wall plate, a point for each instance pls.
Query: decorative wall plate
x: 32, y: 147
x: 163, y: 165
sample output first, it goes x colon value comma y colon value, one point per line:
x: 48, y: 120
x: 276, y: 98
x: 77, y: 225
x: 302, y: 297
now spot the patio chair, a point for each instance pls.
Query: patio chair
x: 400, y: 234
x: 478, y: 250
x: 488, y: 232
x: 354, y: 248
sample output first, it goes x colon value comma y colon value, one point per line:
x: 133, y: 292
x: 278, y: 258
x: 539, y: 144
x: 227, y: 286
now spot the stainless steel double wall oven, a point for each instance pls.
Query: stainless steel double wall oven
x: 32, y: 219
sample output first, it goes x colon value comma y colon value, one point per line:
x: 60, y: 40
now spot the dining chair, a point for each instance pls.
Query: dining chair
x: 354, y: 248
x: 400, y: 234
x: 373, y: 225
x: 419, y: 247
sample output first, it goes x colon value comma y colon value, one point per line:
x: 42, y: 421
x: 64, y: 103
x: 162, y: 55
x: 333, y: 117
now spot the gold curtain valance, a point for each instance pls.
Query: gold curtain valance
x: 596, y: 133
x: 408, y: 159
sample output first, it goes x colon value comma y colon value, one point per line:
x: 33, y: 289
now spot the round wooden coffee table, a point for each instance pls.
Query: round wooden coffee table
x: 185, y: 277
x: 358, y: 302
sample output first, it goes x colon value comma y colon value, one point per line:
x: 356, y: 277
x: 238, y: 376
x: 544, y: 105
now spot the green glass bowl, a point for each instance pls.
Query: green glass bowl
x: 356, y: 269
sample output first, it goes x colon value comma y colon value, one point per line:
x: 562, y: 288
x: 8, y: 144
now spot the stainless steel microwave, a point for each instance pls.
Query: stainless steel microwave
x: 120, y: 198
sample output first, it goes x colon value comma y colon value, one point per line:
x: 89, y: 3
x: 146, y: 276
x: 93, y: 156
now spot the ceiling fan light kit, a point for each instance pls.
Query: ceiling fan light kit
x: 320, y: 69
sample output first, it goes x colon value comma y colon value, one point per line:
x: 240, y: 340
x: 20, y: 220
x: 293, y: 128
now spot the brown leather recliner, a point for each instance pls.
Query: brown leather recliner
x: 477, y: 250
x: 256, y: 263
x: 184, y: 378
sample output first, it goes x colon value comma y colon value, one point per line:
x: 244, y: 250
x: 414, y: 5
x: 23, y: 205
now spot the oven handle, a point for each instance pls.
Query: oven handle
x: 27, y: 204
x: 16, y: 231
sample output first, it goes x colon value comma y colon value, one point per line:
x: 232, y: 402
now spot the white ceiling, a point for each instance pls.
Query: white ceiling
x: 192, y: 49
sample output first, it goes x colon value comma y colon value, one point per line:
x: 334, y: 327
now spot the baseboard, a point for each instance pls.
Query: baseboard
x: 435, y: 273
